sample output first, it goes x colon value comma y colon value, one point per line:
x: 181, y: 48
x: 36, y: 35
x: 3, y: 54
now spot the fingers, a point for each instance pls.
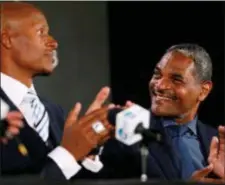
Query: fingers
x: 100, y: 99
x: 14, y: 119
x: 92, y: 157
x: 73, y: 115
x: 221, y: 130
x: 211, y: 180
x: 96, y: 115
x: 197, y: 175
x: 103, y: 136
x: 129, y: 104
x: 10, y: 133
x: 98, y: 128
x: 13, y: 131
x: 14, y: 114
x: 213, y: 152
x: 111, y: 106
x: 82, y: 137
x: 15, y: 123
x: 97, y: 139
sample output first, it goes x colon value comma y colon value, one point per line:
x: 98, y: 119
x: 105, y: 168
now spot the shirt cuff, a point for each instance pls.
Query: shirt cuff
x: 65, y: 161
x: 92, y: 165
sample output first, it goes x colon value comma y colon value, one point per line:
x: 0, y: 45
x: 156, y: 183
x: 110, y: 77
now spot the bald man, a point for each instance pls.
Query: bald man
x: 57, y: 147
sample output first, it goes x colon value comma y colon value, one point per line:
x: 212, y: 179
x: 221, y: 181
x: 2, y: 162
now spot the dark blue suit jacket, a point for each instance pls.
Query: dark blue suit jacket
x: 12, y: 162
x: 121, y: 161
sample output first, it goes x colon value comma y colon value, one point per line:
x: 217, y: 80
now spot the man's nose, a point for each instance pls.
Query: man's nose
x: 163, y: 84
x: 52, y: 43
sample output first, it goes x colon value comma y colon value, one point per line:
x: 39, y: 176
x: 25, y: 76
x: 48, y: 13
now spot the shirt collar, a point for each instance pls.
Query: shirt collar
x: 14, y: 89
x: 192, y: 125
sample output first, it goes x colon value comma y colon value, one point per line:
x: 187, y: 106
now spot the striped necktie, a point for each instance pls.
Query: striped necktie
x: 36, y: 114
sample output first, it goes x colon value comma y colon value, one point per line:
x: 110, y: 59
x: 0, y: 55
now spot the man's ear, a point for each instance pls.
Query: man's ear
x: 206, y: 88
x: 5, y: 39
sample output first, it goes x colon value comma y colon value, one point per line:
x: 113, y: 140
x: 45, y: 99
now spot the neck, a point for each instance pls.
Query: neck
x: 187, y: 117
x: 16, y: 73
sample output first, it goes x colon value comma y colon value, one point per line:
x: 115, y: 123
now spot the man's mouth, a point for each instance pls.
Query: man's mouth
x: 165, y: 97
x: 49, y: 55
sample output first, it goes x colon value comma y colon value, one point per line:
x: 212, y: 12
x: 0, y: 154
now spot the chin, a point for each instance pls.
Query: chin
x: 44, y: 72
x: 163, y: 111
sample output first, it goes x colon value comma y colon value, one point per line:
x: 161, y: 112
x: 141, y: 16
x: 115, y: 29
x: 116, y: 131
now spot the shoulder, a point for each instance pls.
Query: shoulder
x: 208, y: 130
x: 50, y: 104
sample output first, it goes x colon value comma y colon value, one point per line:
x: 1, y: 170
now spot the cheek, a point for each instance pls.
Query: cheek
x: 28, y: 48
x: 187, y: 98
x: 151, y: 84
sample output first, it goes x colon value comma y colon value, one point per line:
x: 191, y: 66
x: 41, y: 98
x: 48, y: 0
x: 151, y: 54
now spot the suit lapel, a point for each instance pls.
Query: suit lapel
x: 205, y: 136
x: 11, y: 158
x: 55, y: 130
x: 163, y: 153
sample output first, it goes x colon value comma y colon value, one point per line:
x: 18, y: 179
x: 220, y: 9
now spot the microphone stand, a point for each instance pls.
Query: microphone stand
x: 144, y: 160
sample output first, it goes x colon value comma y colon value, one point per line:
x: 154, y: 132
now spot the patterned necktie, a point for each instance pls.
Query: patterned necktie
x: 185, y: 160
x: 36, y: 115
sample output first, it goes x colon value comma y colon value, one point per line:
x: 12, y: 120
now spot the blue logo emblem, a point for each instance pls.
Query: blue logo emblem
x: 129, y: 114
x: 122, y: 134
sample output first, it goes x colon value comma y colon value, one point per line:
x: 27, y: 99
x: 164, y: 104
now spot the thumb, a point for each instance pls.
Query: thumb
x: 213, y: 149
x: 222, y: 140
x: 129, y: 104
x: 202, y: 173
x: 73, y: 115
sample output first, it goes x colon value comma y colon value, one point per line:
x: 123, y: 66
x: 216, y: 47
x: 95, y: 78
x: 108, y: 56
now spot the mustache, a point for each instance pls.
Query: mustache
x: 164, y: 93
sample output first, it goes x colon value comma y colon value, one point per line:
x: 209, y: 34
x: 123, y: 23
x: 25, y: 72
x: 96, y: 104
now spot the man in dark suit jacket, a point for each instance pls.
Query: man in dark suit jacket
x: 57, y: 147
x: 180, y: 82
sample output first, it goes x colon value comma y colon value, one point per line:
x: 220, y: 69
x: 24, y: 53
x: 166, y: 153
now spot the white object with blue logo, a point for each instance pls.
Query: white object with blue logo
x: 128, y: 120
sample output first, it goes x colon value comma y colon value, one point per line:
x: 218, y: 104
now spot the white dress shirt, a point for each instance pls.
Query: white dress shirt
x: 16, y: 91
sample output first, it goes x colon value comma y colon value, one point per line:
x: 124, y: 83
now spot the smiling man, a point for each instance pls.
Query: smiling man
x: 180, y: 83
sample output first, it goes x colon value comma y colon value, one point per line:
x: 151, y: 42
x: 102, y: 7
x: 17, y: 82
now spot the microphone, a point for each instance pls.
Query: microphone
x: 132, y: 125
x: 3, y: 128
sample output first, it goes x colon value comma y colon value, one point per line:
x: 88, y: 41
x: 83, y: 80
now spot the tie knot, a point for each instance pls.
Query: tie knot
x: 177, y: 130
x: 31, y: 91
x: 30, y: 96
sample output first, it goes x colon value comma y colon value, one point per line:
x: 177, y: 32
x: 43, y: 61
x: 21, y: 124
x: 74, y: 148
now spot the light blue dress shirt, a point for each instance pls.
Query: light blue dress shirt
x: 192, y: 142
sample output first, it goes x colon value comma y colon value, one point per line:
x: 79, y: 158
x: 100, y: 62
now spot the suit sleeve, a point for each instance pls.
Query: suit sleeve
x: 51, y: 171
x: 60, y: 164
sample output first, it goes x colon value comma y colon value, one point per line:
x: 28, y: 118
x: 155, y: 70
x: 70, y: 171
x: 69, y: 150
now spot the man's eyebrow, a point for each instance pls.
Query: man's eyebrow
x: 177, y: 75
x: 157, y: 68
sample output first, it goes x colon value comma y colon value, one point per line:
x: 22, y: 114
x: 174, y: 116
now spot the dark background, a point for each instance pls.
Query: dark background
x: 81, y: 29
x: 119, y: 43
x: 140, y: 32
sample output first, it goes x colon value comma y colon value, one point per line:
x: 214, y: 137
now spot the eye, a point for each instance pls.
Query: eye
x: 178, y: 81
x: 177, y: 78
x: 40, y: 32
x: 156, y: 74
